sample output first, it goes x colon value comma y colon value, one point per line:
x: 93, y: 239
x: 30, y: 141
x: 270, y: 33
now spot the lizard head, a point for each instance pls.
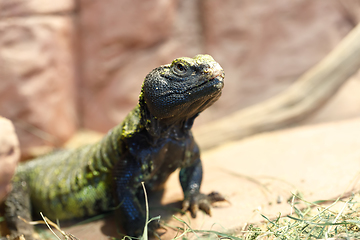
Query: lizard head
x: 184, y: 88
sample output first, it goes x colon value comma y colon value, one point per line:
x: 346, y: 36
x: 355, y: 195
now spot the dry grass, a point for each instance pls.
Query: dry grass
x: 327, y: 219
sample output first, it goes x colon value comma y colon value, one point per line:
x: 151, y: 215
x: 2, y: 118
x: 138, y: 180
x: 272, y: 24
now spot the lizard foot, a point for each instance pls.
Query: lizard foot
x: 201, y: 201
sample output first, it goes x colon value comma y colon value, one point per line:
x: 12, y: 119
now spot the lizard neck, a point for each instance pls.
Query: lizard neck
x: 163, y: 128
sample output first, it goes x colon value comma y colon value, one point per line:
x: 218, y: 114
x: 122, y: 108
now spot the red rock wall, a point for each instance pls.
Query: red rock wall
x: 65, y: 65
x: 38, y: 70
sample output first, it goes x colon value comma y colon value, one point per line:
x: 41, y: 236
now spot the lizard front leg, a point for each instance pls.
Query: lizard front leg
x: 128, y: 178
x: 190, y: 180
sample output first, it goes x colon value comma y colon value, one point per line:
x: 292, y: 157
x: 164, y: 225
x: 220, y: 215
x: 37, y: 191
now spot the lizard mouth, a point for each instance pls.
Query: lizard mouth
x: 216, y: 83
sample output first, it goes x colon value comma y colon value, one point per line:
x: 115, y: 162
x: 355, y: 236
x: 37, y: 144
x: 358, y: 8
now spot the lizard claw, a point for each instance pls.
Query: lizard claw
x: 216, y: 197
x: 201, y: 201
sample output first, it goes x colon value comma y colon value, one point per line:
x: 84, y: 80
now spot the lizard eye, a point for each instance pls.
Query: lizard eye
x: 179, y: 68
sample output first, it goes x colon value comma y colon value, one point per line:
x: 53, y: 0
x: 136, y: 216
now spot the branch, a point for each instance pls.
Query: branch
x: 310, y: 92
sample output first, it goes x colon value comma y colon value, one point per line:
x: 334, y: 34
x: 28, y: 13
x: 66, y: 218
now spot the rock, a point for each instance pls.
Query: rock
x: 38, y: 78
x: 9, y: 155
x: 11, y: 8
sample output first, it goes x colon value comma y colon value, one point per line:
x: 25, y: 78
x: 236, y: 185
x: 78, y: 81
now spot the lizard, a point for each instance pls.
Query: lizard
x: 152, y: 142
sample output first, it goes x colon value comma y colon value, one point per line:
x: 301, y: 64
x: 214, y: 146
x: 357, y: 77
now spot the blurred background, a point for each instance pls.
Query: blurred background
x: 67, y: 65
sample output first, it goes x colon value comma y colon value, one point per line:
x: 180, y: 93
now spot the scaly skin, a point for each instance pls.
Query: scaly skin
x: 152, y: 142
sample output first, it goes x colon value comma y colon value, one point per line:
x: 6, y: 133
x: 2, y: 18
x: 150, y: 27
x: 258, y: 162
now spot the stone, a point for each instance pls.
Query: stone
x: 11, y: 8
x: 38, y: 78
x: 9, y: 155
